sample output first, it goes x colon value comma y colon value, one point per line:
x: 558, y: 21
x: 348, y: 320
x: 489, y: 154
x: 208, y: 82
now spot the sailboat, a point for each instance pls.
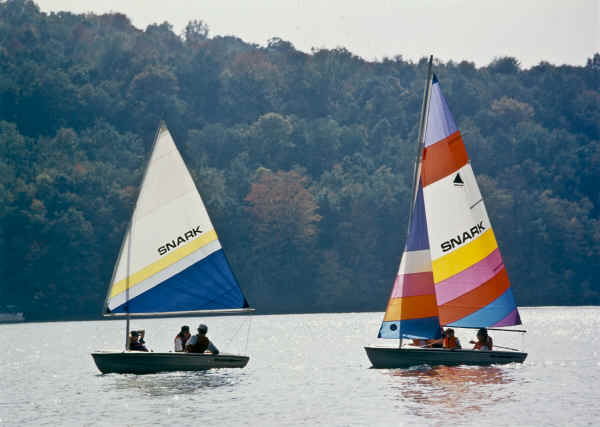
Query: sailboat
x: 171, y: 263
x: 451, y: 272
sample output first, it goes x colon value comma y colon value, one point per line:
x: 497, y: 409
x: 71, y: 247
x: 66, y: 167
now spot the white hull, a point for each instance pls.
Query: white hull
x: 385, y: 357
x: 139, y: 362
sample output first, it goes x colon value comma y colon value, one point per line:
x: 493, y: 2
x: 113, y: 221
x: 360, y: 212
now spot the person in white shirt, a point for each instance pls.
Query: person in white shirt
x: 181, y: 338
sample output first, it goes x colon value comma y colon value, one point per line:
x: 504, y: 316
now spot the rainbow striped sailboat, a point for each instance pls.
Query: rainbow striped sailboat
x: 171, y: 263
x: 451, y: 272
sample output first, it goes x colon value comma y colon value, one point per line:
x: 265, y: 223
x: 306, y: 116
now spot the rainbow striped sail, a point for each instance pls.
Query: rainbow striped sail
x: 451, y: 271
x: 171, y: 260
x: 412, y: 309
x: 471, y: 284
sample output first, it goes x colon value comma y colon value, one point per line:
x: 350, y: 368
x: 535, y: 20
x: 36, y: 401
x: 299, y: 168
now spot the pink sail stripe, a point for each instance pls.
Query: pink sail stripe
x: 512, y: 319
x: 469, y: 279
x: 409, y: 285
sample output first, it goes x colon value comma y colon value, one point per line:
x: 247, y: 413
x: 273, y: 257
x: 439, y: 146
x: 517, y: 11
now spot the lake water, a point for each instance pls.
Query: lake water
x: 303, y: 370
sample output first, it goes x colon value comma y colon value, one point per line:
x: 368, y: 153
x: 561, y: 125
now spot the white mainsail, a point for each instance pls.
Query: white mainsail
x: 171, y: 259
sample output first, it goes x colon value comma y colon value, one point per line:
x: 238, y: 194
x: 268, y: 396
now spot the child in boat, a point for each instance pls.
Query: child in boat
x: 136, y: 341
x: 484, y: 341
x: 181, y: 338
x: 448, y: 341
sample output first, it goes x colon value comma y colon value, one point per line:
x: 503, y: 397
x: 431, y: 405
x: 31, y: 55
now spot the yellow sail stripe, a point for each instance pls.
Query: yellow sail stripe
x: 163, y: 263
x: 464, y: 257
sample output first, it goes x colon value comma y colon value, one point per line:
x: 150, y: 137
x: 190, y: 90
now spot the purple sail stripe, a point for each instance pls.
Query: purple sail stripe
x: 440, y: 123
x: 469, y: 279
x: 512, y: 319
x: 414, y: 284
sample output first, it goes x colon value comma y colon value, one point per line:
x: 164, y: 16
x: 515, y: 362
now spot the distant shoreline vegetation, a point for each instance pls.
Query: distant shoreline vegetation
x: 303, y: 160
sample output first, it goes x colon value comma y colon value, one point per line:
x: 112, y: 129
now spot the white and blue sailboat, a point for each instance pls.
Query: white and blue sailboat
x: 171, y: 263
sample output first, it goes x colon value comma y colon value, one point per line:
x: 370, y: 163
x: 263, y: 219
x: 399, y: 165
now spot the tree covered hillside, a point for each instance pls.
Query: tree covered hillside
x: 304, y: 160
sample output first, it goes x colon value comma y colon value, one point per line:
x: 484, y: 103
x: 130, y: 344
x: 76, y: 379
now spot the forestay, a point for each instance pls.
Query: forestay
x: 171, y: 260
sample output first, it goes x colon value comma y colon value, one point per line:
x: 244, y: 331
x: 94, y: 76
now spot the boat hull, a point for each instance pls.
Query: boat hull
x: 382, y: 357
x: 139, y: 362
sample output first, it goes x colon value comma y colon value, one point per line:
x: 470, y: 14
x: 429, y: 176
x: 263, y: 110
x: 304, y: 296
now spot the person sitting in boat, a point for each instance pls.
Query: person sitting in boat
x: 450, y: 341
x: 136, y: 341
x: 484, y: 341
x: 199, y: 343
x: 181, y: 338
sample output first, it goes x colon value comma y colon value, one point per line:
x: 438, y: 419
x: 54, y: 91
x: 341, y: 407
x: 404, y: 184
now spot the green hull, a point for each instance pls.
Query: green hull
x: 382, y: 357
x: 137, y: 362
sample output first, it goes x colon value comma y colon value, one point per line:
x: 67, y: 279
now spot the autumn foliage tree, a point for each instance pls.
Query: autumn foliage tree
x: 282, y: 209
x: 283, y: 213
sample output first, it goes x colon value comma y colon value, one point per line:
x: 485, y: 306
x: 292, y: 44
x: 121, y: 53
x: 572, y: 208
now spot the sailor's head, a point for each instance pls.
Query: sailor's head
x: 482, y: 333
x: 185, y: 329
x: 449, y: 332
x: 135, y: 335
x: 202, y: 328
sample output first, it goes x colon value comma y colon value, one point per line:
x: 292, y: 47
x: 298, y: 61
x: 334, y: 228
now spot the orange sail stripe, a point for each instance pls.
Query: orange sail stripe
x: 474, y: 300
x: 414, y: 307
x: 443, y: 158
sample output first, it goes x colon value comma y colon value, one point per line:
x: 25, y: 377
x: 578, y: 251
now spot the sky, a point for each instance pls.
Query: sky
x: 557, y: 31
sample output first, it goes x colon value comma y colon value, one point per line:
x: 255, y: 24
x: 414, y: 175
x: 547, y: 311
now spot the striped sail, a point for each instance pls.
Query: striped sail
x: 471, y: 284
x: 171, y: 260
x: 412, y: 309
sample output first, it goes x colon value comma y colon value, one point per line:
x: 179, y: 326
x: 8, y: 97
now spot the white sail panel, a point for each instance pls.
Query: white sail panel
x: 454, y: 211
x: 415, y: 262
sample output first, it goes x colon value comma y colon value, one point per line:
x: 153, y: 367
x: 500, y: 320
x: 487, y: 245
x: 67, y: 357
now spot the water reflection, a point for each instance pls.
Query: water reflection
x: 456, y: 390
x: 168, y: 384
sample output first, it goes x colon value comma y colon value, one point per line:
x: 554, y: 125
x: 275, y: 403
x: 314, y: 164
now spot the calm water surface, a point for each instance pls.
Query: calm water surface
x: 304, y: 369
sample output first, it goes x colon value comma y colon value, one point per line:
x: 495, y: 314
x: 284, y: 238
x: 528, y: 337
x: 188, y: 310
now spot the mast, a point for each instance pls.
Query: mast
x: 127, y: 289
x: 421, y: 138
x: 417, y: 165
x: 129, y: 235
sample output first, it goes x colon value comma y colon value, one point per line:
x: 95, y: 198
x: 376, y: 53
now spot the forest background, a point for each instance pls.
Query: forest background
x: 304, y: 160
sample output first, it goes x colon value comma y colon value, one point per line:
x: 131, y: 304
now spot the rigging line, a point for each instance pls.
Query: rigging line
x: 523, y: 331
x: 506, y: 348
x: 241, y: 323
x: 248, y: 334
x: 476, y: 203
x: 421, y: 139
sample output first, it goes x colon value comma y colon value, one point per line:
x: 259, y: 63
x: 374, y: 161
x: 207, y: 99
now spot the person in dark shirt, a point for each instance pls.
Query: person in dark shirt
x: 199, y: 343
x: 136, y: 341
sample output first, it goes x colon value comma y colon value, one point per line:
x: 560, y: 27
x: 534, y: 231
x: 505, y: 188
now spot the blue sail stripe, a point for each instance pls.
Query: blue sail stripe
x: 490, y: 314
x: 424, y: 328
x: 208, y: 284
x: 417, y: 239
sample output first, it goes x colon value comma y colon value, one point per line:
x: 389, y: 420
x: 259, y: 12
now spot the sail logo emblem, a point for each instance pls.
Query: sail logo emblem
x: 463, y: 238
x: 458, y: 182
x: 190, y: 234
